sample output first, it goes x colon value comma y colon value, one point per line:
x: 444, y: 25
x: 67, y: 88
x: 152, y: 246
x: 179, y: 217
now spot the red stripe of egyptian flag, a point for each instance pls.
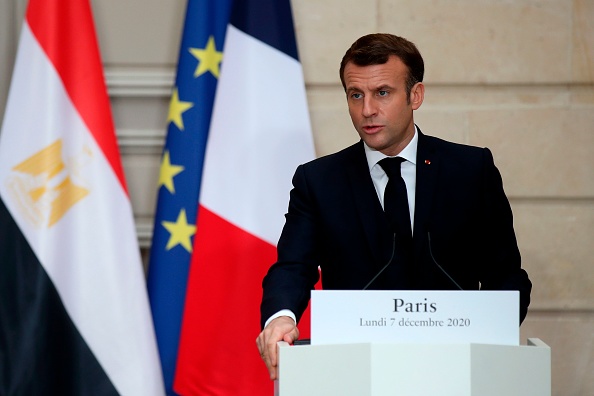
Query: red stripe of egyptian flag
x: 73, y: 50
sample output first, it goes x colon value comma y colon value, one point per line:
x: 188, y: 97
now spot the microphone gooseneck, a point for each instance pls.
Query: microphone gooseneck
x: 385, y: 266
x: 439, y: 266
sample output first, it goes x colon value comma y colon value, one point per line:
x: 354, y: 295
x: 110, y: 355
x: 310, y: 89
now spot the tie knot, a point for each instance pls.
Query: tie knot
x: 391, y: 165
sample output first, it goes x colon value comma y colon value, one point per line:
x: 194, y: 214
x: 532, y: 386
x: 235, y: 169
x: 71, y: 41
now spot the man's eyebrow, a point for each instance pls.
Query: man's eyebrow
x: 384, y: 87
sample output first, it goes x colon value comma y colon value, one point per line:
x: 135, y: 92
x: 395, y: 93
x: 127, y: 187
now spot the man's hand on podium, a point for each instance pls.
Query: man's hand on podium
x: 282, y: 328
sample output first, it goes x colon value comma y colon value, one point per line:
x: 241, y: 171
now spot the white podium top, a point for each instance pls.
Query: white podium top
x: 343, y: 317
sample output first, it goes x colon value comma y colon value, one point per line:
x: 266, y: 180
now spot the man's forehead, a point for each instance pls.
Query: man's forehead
x: 381, y: 74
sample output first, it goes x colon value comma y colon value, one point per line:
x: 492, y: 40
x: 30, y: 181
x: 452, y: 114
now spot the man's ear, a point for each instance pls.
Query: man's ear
x: 417, y: 94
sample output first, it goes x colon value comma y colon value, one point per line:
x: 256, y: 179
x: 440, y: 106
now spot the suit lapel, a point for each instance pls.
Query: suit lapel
x: 368, y: 207
x: 428, y: 165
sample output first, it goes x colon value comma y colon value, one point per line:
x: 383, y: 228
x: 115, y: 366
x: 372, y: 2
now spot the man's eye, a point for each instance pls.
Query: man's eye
x: 356, y: 96
x: 382, y: 93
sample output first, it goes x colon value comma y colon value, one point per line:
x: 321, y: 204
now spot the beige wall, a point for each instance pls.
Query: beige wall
x: 516, y: 76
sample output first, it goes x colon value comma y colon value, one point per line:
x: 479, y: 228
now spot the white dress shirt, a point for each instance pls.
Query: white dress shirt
x: 408, y: 170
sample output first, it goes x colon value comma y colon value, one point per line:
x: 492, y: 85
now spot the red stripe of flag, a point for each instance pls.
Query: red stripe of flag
x: 73, y: 50
x: 222, y: 307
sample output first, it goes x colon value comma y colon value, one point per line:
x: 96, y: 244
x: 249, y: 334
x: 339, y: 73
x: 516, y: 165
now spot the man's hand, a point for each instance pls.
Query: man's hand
x: 282, y: 328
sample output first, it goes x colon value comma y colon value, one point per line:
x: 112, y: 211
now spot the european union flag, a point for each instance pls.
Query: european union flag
x: 189, y: 118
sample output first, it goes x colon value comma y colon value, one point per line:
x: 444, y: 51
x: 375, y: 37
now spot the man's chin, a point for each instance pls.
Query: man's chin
x: 374, y: 144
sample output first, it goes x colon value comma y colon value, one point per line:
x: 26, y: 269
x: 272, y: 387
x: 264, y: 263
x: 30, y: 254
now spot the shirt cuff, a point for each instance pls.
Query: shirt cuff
x: 282, y: 312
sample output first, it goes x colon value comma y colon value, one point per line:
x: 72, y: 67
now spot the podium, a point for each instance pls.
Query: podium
x: 383, y: 369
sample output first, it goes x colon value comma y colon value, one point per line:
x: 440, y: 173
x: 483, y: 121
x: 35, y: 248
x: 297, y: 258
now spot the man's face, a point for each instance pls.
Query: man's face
x: 378, y: 105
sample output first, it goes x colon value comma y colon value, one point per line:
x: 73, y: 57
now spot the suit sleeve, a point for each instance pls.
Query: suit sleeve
x: 503, y: 269
x: 290, y: 280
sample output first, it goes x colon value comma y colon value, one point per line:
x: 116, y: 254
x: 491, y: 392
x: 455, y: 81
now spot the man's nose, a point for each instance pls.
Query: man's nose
x: 369, y: 107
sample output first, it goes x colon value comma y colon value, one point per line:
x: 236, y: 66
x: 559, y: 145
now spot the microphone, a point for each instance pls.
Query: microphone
x: 439, y: 266
x: 385, y: 266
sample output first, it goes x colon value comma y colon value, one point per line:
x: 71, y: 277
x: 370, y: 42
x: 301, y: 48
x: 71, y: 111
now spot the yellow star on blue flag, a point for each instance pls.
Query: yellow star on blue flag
x: 181, y: 232
x: 209, y: 59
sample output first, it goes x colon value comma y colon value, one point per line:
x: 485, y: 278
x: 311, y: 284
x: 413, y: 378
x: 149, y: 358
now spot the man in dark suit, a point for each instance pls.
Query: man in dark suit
x: 339, y: 218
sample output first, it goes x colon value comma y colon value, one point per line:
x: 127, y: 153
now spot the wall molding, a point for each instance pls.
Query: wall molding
x: 139, y: 82
x: 143, y: 140
x: 144, y: 232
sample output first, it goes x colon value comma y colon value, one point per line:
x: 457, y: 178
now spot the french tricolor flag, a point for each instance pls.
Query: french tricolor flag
x: 258, y: 134
x: 74, y: 312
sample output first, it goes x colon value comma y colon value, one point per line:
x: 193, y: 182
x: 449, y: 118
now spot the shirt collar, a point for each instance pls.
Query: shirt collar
x: 409, y: 153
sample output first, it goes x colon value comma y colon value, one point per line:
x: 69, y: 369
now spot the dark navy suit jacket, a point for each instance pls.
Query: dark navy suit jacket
x: 335, y: 221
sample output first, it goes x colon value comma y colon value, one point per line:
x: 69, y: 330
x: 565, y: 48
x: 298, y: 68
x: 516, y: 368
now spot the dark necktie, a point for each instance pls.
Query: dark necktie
x: 396, y: 200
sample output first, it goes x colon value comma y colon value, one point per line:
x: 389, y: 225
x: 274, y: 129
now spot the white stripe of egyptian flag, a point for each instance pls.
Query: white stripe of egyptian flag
x: 259, y: 134
x: 75, y: 315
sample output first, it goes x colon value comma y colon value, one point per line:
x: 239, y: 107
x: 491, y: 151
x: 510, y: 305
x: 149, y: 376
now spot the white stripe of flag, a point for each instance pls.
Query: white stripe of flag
x: 255, y: 144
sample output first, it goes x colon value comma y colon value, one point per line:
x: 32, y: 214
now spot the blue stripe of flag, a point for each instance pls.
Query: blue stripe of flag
x: 270, y: 21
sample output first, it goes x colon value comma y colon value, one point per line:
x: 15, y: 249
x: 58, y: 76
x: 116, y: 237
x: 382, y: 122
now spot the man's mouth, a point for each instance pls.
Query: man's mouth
x: 371, y: 129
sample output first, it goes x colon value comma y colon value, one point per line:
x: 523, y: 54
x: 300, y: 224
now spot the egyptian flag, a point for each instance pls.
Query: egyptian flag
x: 258, y: 134
x: 74, y: 311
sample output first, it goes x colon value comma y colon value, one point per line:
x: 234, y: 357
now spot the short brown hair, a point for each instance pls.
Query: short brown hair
x: 376, y: 49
